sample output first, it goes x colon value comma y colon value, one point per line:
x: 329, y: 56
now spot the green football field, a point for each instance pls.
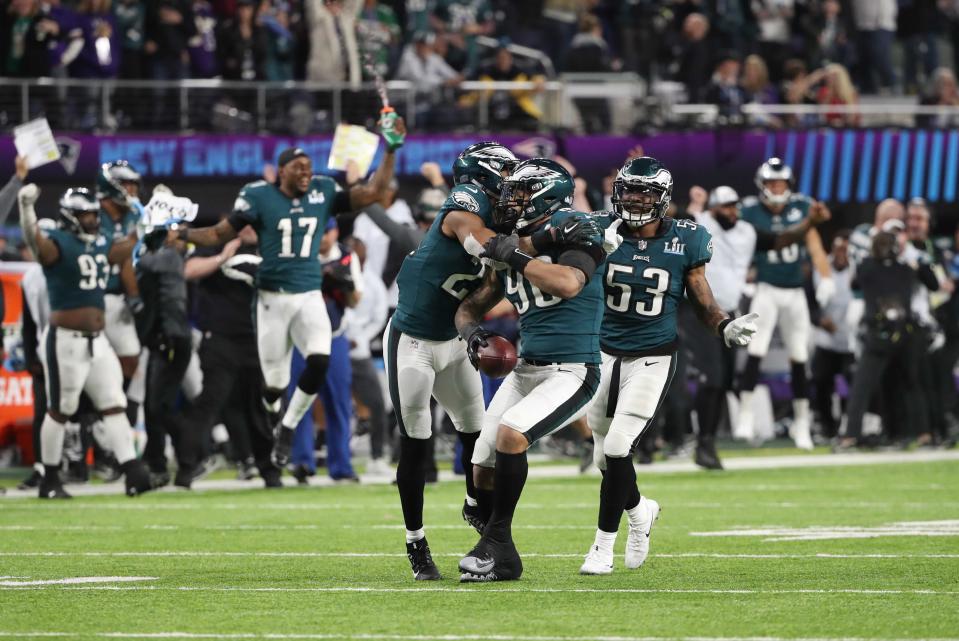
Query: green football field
x: 821, y: 552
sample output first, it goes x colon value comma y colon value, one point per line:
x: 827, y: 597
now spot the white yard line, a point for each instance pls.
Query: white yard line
x: 572, y: 471
x: 76, y: 580
x: 480, y: 590
x: 380, y: 555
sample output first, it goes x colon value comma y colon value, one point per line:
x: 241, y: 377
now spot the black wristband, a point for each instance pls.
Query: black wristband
x: 518, y: 260
x: 181, y: 233
x: 542, y: 240
x: 722, y: 326
x: 468, y: 330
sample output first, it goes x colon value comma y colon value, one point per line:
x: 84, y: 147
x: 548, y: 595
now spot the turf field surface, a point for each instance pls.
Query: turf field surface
x: 865, y: 551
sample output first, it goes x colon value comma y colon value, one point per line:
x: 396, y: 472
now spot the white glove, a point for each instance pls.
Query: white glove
x: 825, y: 290
x: 938, y: 340
x: 612, y: 240
x: 241, y: 267
x: 28, y: 195
x: 739, y: 331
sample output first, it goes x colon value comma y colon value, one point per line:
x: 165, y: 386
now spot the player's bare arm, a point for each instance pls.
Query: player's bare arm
x: 564, y: 279
x: 701, y: 296
x: 364, y: 194
x: 475, y: 306
x: 120, y: 252
x: 218, y: 234
x: 818, y: 214
x: 817, y: 253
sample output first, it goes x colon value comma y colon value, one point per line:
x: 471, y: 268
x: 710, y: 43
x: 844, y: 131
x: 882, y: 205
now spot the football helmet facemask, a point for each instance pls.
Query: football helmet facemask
x: 483, y: 164
x: 74, y: 203
x: 642, y: 191
x: 774, y: 169
x: 536, y: 188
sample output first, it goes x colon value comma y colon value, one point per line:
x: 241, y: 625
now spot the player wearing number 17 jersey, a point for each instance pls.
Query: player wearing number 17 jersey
x: 780, y: 299
x: 422, y: 353
x: 289, y: 217
x: 659, y: 260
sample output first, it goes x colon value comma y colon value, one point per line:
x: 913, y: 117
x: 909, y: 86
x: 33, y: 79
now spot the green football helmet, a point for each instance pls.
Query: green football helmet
x: 112, y: 180
x: 536, y: 188
x: 73, y: 203
x: 482, y: 164
x: 642, y: 191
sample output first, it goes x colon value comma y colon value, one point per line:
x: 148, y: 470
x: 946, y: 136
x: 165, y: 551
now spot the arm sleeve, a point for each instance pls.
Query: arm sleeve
x: 405, y: 237
x: 928, y: 277
x: 357, y: 273
x: 581, y: 260
x: 8, y: 197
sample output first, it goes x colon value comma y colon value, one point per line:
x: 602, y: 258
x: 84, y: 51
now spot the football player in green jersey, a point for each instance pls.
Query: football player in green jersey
x: 289, y: 218
x: 780, y: 299
x: 659, y: 260
x: 423, y: 355
x: 76, y: 356
x: 559, y: 299
x: 118, y: 190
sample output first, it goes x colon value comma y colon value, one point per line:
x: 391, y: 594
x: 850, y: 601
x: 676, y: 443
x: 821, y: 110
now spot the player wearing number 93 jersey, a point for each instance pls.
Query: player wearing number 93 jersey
x: 644, y: 280
x: 76, y: 355
x: 422, y: 353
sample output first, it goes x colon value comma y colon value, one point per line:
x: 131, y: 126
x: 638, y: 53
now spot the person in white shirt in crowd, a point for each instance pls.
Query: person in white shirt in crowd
x: 430, y: 73
x: 833, y: 336
x: 734, y: 244
x: 365, y: 323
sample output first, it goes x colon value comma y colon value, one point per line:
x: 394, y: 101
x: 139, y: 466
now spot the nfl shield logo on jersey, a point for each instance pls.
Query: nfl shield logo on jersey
x: 641, y: 245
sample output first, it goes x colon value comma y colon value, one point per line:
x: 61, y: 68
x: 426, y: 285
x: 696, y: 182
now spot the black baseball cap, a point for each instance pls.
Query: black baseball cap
x: 290, y: 154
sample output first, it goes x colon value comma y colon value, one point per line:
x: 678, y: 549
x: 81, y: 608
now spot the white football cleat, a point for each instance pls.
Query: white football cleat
x: 597, y: 562
x: 637, y: 541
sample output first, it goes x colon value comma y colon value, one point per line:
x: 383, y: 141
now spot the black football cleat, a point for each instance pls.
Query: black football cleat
x: 421, y: 561
x: 471, y: 514
x: 138, y: 479
x: 31, y: 481
x: 491, y: 561
x: 707, y: 457
x: 282, y: 446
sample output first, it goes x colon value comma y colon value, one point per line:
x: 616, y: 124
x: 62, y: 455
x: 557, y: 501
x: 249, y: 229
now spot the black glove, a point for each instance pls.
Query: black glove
x: 580, y: 232
x: 474, y: 340
x: 505, y: 249
x: 340, y: 275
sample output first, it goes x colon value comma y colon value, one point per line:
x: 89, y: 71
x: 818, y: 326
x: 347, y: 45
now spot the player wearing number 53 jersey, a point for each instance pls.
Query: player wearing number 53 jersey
x: 289, y: 218
x: 559, y: 299
x: 422, y: 353
x: 644, y: 280
x: 780, y: 299
x: 75, y: 353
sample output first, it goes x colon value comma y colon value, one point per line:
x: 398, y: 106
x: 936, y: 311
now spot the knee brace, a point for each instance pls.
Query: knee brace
x: 315, y: 373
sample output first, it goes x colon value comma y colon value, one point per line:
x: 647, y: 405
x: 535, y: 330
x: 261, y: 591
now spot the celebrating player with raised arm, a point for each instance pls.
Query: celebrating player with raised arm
x: 660, y: 260
x: 289, y: 218
x: 76, y: 356
x: 559, y: 299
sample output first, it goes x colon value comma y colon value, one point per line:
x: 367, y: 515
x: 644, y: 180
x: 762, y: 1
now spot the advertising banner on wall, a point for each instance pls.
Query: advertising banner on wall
x: 863, y: 165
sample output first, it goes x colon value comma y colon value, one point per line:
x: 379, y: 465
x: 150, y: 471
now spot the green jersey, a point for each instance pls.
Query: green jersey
x: 551, y: 328
x: 116, y: 231
x: 79, y: 277
x: 778, y: 267
x: 436, y: 277
x: 644, y: 281
x: 289, y: 231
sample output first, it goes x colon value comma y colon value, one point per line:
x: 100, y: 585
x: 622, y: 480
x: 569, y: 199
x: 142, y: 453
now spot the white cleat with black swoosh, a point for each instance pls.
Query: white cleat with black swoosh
x: 637, y: 542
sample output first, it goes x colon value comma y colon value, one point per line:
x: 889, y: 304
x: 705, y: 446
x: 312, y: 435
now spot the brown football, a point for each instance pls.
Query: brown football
x: 498, y: 358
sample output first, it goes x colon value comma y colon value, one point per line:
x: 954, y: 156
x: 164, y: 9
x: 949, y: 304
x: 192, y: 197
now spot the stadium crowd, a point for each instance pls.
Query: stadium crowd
x: 880, y: 337
x: 725, y: 52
